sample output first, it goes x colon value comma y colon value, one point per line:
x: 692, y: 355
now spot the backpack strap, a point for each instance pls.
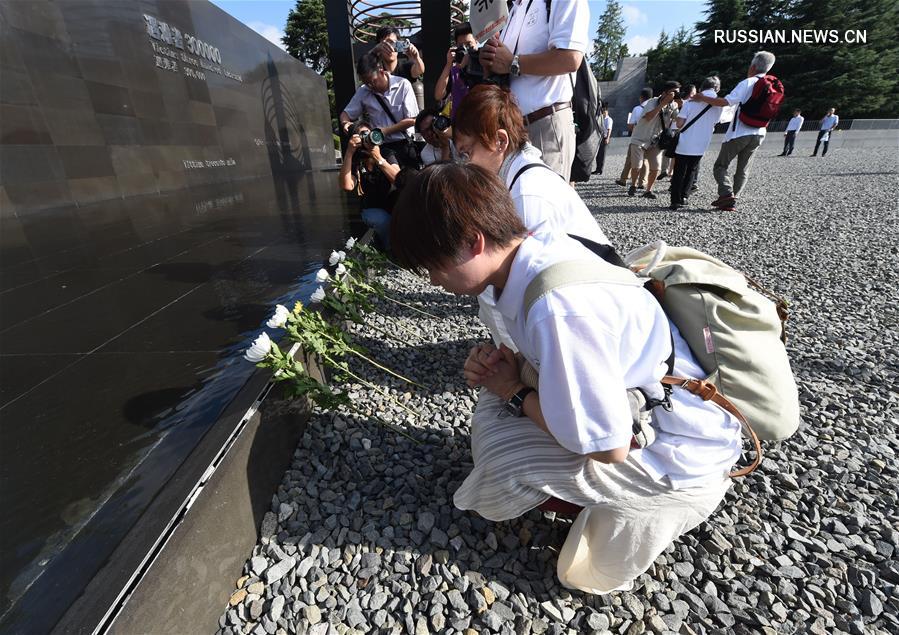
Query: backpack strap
x: 527, y: 167
x: 708, y: 392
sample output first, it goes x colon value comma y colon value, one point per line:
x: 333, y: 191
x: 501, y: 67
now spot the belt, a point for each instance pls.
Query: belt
x: 546, y: 111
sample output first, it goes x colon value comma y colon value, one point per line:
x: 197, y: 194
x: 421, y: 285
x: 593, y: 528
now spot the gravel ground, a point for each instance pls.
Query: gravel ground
x: 362, y: 536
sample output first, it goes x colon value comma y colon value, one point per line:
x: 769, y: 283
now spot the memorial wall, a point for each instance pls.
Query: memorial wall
x: 163, y: 183
x: 112, y: 99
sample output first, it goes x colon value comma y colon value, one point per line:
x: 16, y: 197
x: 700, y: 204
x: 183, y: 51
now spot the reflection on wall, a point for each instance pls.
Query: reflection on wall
x: 117, y: 99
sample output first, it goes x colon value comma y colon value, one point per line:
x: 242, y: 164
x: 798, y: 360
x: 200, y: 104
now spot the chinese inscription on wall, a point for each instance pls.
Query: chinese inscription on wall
x: 184, y: 53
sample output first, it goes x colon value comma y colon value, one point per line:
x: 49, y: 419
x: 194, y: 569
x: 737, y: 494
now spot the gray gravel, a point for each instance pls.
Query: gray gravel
x: 362, y: 536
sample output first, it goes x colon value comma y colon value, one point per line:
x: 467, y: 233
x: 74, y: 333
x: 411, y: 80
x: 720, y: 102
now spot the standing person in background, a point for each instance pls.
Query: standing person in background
x: 668, y: 162
x: 828, y: 124
x: 540, y: 46
x: 636, y: 113
x: 741, y: 140
x: 411, y: 67
x: 450, y: 83
x: 606, y: 127
x: 388, y: 103
x: 793, y: 129
x: 658, y: 112
x: 697, y: 124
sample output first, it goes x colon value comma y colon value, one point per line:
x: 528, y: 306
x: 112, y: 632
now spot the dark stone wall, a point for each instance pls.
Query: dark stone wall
x: 105, y: 99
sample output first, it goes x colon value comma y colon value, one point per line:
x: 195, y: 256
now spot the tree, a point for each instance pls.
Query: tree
x: 306, y: 35
x: 607, y: 45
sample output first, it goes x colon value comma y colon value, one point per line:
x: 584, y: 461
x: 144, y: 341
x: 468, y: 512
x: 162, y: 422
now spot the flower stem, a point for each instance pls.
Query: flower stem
x: 368, y: 384
x: 409, y: 306
x: 376, y: 364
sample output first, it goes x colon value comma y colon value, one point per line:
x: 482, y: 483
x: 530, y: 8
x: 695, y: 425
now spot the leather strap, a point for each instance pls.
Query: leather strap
x: 546, y: 111
x: 708, y: 392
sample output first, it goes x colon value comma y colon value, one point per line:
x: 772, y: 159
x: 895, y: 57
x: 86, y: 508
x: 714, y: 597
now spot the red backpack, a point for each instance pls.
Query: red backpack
x: 763, y: 104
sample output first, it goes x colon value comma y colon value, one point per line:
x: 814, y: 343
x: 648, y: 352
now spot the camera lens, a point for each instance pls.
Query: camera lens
x: 441, y: 123
x: 376, y: 137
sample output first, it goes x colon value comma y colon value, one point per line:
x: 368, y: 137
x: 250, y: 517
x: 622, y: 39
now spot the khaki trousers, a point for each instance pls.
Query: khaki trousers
x: 741, y: 149
x: 554, y: 137
x: 626, y: 172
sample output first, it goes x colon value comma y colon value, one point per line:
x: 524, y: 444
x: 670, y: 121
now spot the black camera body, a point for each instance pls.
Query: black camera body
x: 441, y: 123
x: 370, y: 138
x: 474, y: 74
x: 459, y: 54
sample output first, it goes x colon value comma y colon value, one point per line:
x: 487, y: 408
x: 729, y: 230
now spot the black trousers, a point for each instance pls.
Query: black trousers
x: 821, y: 133
x: 601, y: 155
x: 685, y: 169
x: 789, y: 142
x: 406, y: 153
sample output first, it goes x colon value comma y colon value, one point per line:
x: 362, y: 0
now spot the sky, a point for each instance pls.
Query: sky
x: 644, y: 19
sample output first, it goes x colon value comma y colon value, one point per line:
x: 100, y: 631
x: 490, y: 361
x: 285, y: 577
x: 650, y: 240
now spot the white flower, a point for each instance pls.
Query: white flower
x: 350, y: 242
x: 260, y: 348
x: 318, y: 295
x: 340, y: 270
x: 322, y: 275
x: 342, y: 255
x: 279, y: 319
x: 334, y: 258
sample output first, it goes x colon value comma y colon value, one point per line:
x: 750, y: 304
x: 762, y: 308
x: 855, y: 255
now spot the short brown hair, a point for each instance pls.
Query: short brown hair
x: 443, y: 208
x: 484, y: 111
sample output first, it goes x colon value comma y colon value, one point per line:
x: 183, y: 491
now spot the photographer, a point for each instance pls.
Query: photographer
x: 388, y: 38
x: 451, y: 83
x: 540, y: 46
x: 388, y: 103
x: 371, y: 172
x: 438, y: 138
x: 658, y: 113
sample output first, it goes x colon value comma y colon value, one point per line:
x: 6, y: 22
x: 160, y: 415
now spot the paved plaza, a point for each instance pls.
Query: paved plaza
x: 363, y: 537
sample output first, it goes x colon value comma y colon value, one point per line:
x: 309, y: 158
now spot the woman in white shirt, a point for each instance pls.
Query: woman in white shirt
x: 590, y: 342
x: 488, y: 129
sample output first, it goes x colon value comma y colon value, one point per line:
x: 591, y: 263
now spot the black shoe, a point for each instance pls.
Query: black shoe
x: 813, y: 155
x: 639, y: 187
x: 676, y: 206
x: 727, y: 199
x: 694, y: 188
x: 631, y: 190
x: 781, y: 154
x: 620, y: 182
x: 648, y: 194
x: 662, y: 176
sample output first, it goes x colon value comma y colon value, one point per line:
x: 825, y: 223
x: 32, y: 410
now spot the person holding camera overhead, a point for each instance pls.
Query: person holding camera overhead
x: 658, y: 113
x: 371, y: 172
x: 388, y: 103
x: 390, y: 49
x: 540, y: 46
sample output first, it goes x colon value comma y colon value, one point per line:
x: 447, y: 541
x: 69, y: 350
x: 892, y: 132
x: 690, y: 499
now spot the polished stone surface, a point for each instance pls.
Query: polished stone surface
x: 161, y: 188
x: 97, y: 100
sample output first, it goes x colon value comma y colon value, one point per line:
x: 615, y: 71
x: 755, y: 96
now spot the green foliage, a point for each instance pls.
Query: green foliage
x: 306, y: 38
x: 608, y: 47
x: 859, y: 80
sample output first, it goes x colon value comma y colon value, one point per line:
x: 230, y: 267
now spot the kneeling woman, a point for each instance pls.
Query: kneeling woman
x: 590, y: 342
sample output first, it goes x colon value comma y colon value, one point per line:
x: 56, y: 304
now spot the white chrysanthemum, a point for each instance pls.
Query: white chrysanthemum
x: 260, y: 348
x: 279, y: 319
x: 318, y: 295
x: 322, y: 275
x: 340, y: 270
x: 334, y: 258
x: 350, y: 242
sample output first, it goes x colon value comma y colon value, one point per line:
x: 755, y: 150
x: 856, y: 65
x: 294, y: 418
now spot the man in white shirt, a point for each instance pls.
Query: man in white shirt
x: 541, y: 45
x: 827, y: 126
x: 636, y: 113
x: 696, y: 121
x: 793, y: 129
x: 438, y: 143
x: 741, y: 140
x: 605, y: 125
x: 389, y: 103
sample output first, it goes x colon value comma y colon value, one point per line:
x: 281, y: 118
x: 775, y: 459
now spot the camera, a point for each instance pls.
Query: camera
x: 459, y: 54
x: 473, y: 74
x: 401, y: 46
x: 441, y: 123
x: 370, y: 138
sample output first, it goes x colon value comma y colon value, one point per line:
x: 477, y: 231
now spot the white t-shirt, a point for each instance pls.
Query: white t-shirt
x: 546, y: 204
x: 568, y: 28
x: 606, y: 126
x: 695, y: 141
x: 591, y: 342
x: 739, y: 95
x: 432, y: 154
x: 795, y: 123
x: 829, y: 122
x: 636, y: 113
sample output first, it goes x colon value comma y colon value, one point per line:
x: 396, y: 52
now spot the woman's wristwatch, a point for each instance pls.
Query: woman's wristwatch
x: 515, y: 405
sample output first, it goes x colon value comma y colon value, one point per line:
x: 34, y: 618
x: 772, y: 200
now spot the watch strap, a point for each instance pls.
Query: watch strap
x: 515, y: 404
